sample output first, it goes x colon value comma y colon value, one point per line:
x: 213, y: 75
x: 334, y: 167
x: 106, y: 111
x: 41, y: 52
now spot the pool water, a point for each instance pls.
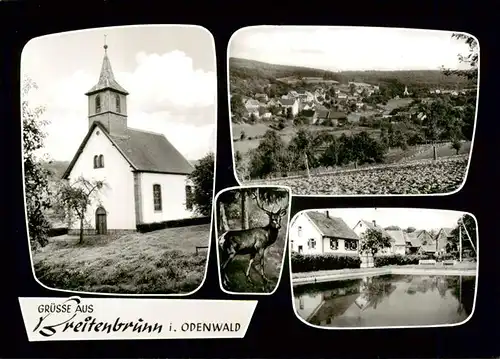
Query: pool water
x: 389, y: 300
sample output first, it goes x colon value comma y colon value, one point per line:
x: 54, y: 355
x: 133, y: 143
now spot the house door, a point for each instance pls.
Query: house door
x: 100, y: 221
x: 300, y: 249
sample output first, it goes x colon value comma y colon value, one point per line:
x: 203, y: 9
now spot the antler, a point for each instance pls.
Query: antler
x: 255, y: 196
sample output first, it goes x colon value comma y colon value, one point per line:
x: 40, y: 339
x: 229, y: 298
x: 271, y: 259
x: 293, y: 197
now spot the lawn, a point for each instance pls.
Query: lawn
x: 444, y: 151
x: 159, y: 262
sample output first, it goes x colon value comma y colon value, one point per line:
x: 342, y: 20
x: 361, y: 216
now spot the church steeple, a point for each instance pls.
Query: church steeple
x: 107, y: 100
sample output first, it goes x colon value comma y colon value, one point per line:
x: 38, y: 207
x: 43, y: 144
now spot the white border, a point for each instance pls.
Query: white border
x: 285, y: 247
x: 213, y: 189
x: 374, y: 27
x: 399, y: 326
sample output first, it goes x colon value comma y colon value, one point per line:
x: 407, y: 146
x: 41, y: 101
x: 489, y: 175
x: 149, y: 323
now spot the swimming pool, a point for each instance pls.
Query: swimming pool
x: 387, y: 300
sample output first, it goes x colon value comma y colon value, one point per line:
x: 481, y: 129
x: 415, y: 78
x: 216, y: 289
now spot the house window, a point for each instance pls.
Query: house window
x: 311, y: 243
x: 299, y: 231
x: 189, y: 198
x: 96, y: 161
x: 117, y: 101
x: 157, y: 197
x: 101, y: 161
x: 351, y: 245
x: 98, y: 104
x: 334, y: 244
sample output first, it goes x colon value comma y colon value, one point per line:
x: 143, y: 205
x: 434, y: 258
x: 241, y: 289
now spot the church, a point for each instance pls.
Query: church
x: 145, y: 176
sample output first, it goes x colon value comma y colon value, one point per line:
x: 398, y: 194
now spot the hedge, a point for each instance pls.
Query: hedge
x: 150, y: 227
x: 400, y: 260
x: 54, y: 232
x: 317, y: 262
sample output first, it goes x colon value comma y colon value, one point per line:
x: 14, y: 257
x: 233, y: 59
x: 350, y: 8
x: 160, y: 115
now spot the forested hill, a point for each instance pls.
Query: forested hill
x: 250, y: 76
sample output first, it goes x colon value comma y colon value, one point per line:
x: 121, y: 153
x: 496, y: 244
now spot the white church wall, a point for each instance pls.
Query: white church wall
x: 173, y: 193
x: 117, y: 197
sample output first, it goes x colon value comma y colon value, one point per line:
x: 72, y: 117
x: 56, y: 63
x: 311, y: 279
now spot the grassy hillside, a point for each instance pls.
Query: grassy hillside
x: 56, y: 168
x: 250, y: 76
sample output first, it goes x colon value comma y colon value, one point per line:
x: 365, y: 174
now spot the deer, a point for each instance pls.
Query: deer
x: 253, y: 241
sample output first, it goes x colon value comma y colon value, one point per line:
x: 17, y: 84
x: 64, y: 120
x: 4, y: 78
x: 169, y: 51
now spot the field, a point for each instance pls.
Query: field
x: 159, y: 262
x: 414, y: 177
x: 255, y: 132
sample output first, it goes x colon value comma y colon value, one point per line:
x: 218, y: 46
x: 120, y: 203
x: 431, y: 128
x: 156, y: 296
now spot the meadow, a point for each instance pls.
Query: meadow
x: 159, y: 262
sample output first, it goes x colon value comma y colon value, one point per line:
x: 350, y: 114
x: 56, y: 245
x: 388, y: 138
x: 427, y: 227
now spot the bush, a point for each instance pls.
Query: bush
x: 398, y: 259
x: 53, y: 232
x: 150, y: 227
x: 317, y: 262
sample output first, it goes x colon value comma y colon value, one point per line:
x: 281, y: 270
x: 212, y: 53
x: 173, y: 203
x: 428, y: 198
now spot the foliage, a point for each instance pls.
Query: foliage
x: 269, y: 157
x: 472, y: 59
x: 155, y: 226
x: 454, y: 240
x: 396, y: 259
x: 238, y: 110
x: 317, y: 262
x: 37, y: 192
x: 75, y: 199
x: 203, y: 184
x: 373, y: 241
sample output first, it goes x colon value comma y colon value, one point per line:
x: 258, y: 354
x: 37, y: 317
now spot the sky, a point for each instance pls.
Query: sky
x: 169, y: 72
x: 349, y: 48
x: 401, y: 217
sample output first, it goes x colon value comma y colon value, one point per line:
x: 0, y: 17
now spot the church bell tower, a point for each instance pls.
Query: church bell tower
x: 107, y: 101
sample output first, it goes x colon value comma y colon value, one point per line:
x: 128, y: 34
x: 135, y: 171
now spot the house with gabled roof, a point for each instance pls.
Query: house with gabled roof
x: 399, y: 240
x: 286, y: 103
x: 363, y: 226
x: 314, y: 232
x: 442, y: 238
x: 146, y: 177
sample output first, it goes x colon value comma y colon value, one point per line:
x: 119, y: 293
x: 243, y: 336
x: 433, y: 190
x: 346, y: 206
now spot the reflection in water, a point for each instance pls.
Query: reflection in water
x: 391, y: 300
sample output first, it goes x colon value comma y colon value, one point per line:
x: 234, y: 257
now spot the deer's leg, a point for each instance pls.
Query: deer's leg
x: 231, y: 253
x: 250, y: 262
x: 262, y: 258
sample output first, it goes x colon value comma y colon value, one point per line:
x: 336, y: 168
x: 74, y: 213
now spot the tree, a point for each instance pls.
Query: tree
x: 268, y: 157
x: 454, y: 239
x: 456, y: 145
x: 289, y: 113
x: 37, y: 193
x: 243, y: 135
x: 472, y: 58
x: 203, y: 184
x: 410, y: 229
x: 237, y: 108
x: 76, y: 197
x: 373, y: 241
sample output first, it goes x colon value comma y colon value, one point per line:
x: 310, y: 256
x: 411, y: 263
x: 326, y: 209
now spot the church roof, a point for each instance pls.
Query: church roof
x: 107, y: 78
x: 144, y: 151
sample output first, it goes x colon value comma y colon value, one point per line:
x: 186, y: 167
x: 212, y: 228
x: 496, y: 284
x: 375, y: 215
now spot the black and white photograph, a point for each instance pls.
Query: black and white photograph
x: 252, y: 224
x: 119, y: 133
x: 361, y: 268
x: 353, y: 110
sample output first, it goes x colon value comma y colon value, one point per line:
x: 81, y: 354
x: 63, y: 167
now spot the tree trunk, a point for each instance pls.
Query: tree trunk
x: 81, y: 231
x: 223, y: 226
x: 244, y: 212
x: 434, y: 152
x: 307, y: 167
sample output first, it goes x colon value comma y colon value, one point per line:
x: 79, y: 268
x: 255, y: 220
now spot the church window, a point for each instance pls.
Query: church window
x: 117, y: 101
x: 189, y: 198
x: 98, y: 103
x: 157, y: 197
x: 96, y: 161
x: 101, y: 161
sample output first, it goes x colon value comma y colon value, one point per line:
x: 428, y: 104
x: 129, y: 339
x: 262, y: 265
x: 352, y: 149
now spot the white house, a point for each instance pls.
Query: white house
x: 318, y: 233
x: 146, y: 177
x: 400, y: 241
x: 286, y: 103
x: 362, y: 226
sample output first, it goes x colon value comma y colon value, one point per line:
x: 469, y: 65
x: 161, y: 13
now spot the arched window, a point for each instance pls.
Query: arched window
x: 98, y: 103
x: 157, y: 197
x: 101, y: 161
x: 117, y: 101
x: 96, y: 161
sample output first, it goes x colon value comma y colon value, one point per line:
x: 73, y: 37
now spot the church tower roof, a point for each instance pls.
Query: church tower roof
x: 106, y: 78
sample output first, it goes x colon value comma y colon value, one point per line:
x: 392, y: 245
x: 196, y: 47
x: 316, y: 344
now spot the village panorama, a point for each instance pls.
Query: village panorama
x: 342, y: 132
